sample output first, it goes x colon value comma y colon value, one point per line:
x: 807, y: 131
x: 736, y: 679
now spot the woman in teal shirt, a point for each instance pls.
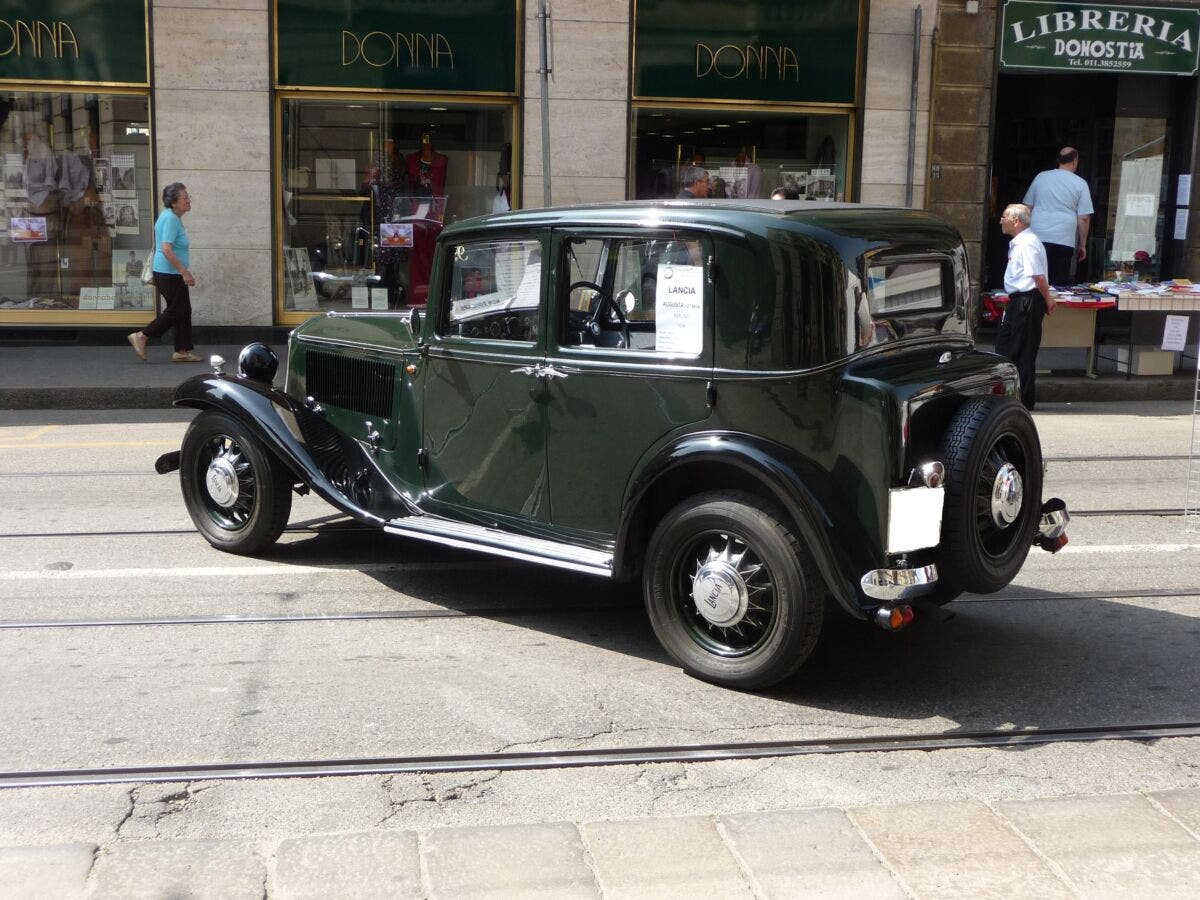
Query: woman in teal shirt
x: 171, y: 277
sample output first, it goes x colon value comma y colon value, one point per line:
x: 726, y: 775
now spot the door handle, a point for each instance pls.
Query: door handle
x: 525, y: 370
x: 550, y: 373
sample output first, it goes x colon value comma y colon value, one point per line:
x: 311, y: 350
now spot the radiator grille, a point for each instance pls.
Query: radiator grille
x: 360, y: 385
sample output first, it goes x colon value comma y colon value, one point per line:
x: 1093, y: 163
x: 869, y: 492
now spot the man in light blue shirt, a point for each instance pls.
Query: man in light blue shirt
x: 1062, y: 215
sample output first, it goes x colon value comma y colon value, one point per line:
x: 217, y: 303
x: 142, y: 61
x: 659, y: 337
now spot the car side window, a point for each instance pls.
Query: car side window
x: 494, y: 291
x: 641, y: 294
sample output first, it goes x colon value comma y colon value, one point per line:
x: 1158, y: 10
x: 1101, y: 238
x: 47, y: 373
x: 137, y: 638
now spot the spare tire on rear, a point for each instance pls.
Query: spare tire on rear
x: 993, y: 462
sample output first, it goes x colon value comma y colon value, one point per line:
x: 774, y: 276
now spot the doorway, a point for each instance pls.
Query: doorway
x: 1133, y: 142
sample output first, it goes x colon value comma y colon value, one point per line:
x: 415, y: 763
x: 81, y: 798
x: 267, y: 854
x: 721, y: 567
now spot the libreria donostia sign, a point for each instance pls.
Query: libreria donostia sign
x: 1100, y: 37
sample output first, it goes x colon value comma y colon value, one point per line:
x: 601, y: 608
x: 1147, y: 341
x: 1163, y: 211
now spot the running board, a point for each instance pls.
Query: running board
x: 503, y: 543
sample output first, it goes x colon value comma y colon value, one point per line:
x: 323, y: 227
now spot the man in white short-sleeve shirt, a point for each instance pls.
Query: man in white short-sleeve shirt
x: 1029, y: 298
x: 1062, y: 215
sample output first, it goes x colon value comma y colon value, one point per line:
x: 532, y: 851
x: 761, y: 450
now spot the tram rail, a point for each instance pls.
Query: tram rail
x: 511, y: 612
x: 610, y: 756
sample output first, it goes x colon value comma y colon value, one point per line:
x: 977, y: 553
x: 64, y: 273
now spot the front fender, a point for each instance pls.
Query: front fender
x: 773, y: 467
x: 336, y: 467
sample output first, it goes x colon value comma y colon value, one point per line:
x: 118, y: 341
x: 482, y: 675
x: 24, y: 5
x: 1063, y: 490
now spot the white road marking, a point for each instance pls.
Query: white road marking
x: 1129, y: 548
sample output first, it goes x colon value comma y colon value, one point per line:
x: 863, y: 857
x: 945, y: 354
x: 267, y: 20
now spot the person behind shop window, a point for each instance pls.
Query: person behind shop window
x: 172, y: 277
x: 784, y: 192
x: 1062, y: 215
x: 1029, y: 297
x: 696, y: 183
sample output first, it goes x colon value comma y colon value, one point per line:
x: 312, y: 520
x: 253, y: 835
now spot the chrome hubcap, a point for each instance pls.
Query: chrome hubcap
x: 1007, y: 494
x: 720, y: 593
x: 221, y: 482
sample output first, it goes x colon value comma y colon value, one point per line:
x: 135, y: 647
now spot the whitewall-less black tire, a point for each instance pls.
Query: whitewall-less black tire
x: 731, y: 592
x: 238, y: 495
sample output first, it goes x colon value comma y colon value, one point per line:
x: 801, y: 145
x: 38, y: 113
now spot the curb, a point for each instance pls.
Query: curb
x: 87, y: 398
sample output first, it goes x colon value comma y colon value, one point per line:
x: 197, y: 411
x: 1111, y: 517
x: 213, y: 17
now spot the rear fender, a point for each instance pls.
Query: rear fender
x: 765, y: 464
x: 336, y: 467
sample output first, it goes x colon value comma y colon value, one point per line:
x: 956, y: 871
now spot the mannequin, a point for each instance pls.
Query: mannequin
x: 426, y: 178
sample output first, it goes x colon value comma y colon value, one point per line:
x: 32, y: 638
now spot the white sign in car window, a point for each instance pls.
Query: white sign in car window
x: 679, y: 310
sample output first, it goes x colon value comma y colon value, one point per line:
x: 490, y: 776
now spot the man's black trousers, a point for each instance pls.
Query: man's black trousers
x: 1020, y: 337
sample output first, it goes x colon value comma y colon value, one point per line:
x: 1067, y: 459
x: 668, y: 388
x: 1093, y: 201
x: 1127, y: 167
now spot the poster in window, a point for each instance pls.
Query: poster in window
x: 102, y: 175
x: 393, y: 235
x: 27, y: 229
x: 14, y: 179
x: 127, y: 218
x: 123, y: 175
x: 301, y: 293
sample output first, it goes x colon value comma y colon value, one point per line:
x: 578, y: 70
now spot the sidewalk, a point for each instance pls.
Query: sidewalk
x: 42, y: 377
x: 71, y: 377
x: 1111, y: 846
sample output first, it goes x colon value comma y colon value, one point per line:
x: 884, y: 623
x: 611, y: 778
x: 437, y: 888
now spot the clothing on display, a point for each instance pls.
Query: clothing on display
x: 426, y: 178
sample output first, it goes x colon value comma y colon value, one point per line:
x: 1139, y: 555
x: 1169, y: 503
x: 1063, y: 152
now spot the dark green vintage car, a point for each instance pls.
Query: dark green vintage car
x: 760, y: 409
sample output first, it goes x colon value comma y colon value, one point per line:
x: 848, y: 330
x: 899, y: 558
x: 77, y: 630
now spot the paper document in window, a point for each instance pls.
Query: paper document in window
x: 679, y: 310
x: 1137, y: 208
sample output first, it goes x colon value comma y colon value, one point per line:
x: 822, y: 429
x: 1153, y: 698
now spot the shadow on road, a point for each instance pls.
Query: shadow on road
x: 1036, y: 662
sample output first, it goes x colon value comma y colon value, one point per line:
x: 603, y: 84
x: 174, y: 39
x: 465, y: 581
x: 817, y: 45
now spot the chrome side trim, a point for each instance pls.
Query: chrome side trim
x: 504, y: 543
x: 899, y: 584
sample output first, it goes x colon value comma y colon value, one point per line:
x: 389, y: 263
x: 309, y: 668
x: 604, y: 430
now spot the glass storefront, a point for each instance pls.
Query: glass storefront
x: 762, y: 100
x: 1123, y: 97
x: 77, y: 190
x: 384, y: 137
x: 78, y: 222
x: 747, y: 154
x: 369, y: 184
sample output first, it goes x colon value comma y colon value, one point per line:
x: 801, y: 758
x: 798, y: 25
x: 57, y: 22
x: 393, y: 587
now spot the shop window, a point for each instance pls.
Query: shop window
x: 78, y: 220
x: 367, y: 188
x: 747, y: 155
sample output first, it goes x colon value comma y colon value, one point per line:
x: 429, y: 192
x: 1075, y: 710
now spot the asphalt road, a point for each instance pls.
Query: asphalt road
x: 469, y: 654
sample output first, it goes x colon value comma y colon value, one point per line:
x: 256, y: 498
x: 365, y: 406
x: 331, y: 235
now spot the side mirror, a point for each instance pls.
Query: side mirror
x: 414, y: 321
x: 627, y: 300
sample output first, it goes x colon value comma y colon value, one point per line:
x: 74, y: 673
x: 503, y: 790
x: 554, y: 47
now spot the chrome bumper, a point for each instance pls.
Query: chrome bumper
x: 899, y: 584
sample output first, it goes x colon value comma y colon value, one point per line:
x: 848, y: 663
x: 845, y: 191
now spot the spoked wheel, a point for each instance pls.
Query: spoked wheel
x: 993, y: 495
x: 237, y: 495
x: 726, y: 591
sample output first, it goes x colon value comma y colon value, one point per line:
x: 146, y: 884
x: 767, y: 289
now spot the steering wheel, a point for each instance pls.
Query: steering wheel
x: 608, y: 301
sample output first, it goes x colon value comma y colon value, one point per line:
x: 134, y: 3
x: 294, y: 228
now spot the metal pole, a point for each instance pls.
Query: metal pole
x: 543, y: 29
x: 912, y: 107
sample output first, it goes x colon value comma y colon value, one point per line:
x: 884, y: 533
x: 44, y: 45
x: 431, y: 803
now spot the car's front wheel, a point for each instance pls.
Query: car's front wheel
x: 238, y: 495
x: 731, y: 592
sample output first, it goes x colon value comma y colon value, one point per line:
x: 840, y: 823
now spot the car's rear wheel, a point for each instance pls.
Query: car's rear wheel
x: 731, y: 592
x: 237, y: 494
x: 993, y: 483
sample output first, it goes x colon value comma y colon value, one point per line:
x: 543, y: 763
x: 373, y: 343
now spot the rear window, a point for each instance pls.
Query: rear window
x: 895, y: 288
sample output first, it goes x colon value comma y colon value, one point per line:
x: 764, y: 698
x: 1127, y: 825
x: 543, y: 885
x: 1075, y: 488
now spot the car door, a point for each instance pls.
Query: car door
x: 484, y: 423
x: 630, y: 336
